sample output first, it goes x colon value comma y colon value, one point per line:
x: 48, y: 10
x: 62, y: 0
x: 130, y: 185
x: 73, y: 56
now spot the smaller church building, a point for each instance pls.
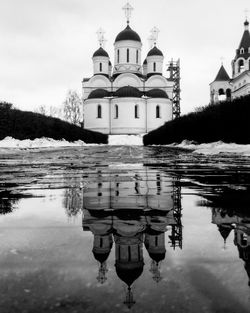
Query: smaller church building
x: 226, y: 88
x: 130, y: 96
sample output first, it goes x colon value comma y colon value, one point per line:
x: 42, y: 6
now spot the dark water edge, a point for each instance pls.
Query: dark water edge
x: 110, y: 229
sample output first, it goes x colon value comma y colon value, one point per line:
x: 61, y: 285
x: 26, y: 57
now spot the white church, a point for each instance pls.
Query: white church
x: 226, y: 88
x: 127, y: 97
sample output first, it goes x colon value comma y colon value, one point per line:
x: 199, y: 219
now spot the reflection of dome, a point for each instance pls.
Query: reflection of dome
x: 98, y: 93
x: 224, y: 230
x: 157, y: 257
x: 100, y: 53
x: 129, y: 272
x: 154, y: 51
x: 101, y: 257
x: 128, y: 91
x: 156, y: 93
x: 128, y: 34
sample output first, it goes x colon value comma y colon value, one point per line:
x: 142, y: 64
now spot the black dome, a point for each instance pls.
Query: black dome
x: 129, y: 272
x: 157, y: 257
x: 156, y: 93
x: 100, y: 53
x: 128, y: 34
x: 98, y: 93
x: 154, y: 51
x: 128, y: 91
x: 101, y: 257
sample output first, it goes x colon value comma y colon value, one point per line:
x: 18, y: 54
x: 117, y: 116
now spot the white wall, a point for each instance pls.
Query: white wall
x: 165, y: 112
x: 158, y: 60
x: 90, y: 115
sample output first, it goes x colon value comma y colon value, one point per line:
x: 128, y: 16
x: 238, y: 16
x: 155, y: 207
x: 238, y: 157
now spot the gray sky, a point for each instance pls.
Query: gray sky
x: 47, y: 45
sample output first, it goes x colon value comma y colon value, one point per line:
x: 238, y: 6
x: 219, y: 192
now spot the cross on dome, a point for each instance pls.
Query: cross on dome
x: 100, y: 35
x: 151, y: 41
x: 246, y: 13
x: 154, y: 35
x: 128, y: 10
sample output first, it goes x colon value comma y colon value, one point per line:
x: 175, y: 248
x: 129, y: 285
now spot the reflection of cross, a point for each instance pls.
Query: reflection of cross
x: 222, y: 59
x: 100, y: 35
x: 246, y: 13
x: 154, y: 34
x: 128, y: 9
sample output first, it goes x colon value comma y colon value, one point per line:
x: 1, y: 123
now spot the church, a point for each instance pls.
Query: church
x: 226, y: 88
x: 128, y: 96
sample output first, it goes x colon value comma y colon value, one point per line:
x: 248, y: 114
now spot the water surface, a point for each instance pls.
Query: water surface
x: 118, y: 229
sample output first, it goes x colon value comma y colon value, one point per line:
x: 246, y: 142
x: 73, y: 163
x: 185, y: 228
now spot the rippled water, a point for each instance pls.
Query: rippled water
x: 120, y: 228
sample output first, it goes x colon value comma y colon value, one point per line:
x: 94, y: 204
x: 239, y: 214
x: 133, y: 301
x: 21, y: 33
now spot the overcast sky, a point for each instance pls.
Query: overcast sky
x: 47, y: 45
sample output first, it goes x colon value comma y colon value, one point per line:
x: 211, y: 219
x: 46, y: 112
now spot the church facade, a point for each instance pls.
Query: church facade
x: 128, y: 96
x: 226, y: 88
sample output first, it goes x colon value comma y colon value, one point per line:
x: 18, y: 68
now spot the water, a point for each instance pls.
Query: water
x: 124, y: 229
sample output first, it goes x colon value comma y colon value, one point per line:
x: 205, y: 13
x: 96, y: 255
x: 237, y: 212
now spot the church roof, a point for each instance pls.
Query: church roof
x: 128, y: 91
x: 156, y: 93
x: 129, y: 272
x: 128, y: 34
x: 100, y: 53
x: 222, y: 74
x: 98, y: 93
x: 154, y: 51
x: 245, y: 40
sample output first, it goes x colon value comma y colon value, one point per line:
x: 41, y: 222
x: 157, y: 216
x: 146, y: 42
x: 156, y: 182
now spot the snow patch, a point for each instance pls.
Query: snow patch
x: 43, y: 142
x: 125, y: 140
x: 214, y: 147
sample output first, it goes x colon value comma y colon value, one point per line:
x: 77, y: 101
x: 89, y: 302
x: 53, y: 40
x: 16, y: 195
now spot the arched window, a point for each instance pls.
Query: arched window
x: 157, y: 112
x: 136, y: 111
x: 99, y: 111
x: 154, y: 66
x: 116, y: 111
x: 221, y: 92
x: 100, y: 66
x: 127, y: 55
x: 137, y: 56
x: 228, y: 94
x: 241, y: 50
x: 240, y: 66
x: 118, y: 56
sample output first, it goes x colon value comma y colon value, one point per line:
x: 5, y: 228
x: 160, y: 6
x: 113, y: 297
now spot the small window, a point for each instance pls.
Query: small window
x: 221, y: 92
x: 99, y: 111
x: 116, y: 111
x: 127, y: 55
x: 241, y: 50
x: 158, y: 115
x: 118, y: 56
x: 240, y: 66
x: 154, y: 66
x: 136, y: 111
x: 100, y: 66
x: 137, y: 56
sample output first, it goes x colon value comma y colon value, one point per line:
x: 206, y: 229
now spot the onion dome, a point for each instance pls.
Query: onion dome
x: 100, y: 53
x: 156, y: 93
x: 101, y: 257
x: 98, y: 93
x: 224, y: 230
x: 145, y: 62
x: 154, y: 51
x: 157, y: 257
x: 129, y: 272
x: 128, y: 34
x: 128, y: 91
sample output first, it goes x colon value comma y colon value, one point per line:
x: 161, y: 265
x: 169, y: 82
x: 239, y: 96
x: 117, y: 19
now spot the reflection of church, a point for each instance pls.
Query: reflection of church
x: 240, y: 224
x: 130, y: 229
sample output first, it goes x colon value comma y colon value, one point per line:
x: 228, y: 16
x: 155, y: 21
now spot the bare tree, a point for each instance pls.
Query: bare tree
x: 72, y: 108
x: 41, y: 109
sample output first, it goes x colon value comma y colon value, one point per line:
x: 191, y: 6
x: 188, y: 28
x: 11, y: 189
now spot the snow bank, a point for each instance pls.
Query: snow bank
x: 43, y: 142
x: 214, y: 147
x: 128, y: 140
